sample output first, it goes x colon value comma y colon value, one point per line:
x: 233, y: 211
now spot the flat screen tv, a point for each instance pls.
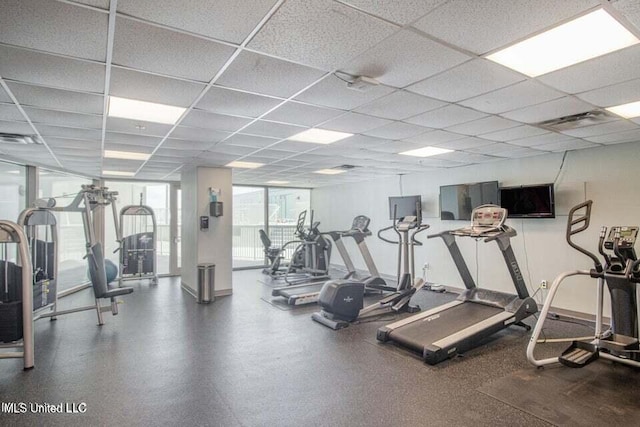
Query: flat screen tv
x: 405, y: 206
x: 529, y: 201
x: 457, y: 201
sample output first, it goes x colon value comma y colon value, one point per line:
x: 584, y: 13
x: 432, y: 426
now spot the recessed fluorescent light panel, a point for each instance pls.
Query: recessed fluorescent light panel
x: 118, y: 173
x: 587, y: 37
x: 244, y: 165
x: 278, y: 182
x: 628, y: 111
x: 330, y: 171
x: 145, y: 111
x: 128, y: 155
x: 426, y: 152
x: 319, y: 136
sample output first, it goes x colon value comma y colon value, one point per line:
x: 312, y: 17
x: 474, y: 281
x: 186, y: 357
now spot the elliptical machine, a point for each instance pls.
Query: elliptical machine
x: 621, y: 273
x: 342, y: 301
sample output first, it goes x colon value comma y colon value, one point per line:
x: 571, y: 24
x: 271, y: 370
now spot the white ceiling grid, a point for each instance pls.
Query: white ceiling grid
x: 251, y: 74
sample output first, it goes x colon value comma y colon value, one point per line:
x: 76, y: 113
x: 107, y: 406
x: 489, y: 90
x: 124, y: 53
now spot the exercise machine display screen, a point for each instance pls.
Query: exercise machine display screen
x: 628, y: 235
x: 405, y: 206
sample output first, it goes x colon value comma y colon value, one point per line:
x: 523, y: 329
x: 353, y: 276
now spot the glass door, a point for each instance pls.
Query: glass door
x: 285, y: 204
x: 248, y: 219
x: 176, y: 230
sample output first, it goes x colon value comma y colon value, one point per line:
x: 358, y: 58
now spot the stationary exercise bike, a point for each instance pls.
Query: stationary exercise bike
x: 621, y: 274
x: 342, y: 301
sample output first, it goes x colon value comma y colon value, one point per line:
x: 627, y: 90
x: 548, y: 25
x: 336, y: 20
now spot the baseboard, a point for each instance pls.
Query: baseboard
x: 188, y: 289
x: 216, y: 294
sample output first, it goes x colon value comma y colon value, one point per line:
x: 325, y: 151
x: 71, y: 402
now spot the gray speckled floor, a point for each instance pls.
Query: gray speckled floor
x: 166, y: 360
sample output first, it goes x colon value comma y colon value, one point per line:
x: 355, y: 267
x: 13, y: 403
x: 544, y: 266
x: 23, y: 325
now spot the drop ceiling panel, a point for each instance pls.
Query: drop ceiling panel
x: 271, y: 129
x: 435, y: 137
x: 228, y: 20
x: 132, y: 139
x: 617, y: 94
x: 250, y: 140
x: 354, y: 123
x: 522, y: 152
x: 56, y: 143
x: 603, y: 129
x: 151, y: 88
x: 397, y: 130
x: 127, y: 147
x: 320, y: 33
x: 534, y: 141
x: 176, y: 154
x: 460, y: 156
x: 549, y: 110
x: 628, y: 136
x: 275, y: 154
x: 197, y: 134
x: 295, y: 146
x: 481, y: 26
x: 574, y: 144
x: 399, y: 105
x: 630, y: 9
x: 606, y: 70
x: 467, y: 80
x: 10, y: 113
x: 63, y: 118
x: 121, y: 164
x: 4, y: 96
x: 64, y: 132
x: 302, y: 114
x: 102, y: 4
x: 15, y: 127
x: 333, y: 92
x: 224, y: 101
x: 57, y: 99
x: 149, y: 48
x: 54, y: 27
x: 394, y: 147
x: 404, y: 58
x: 51, y: 70
x: 482, y: 126
x: 235, y: 150
x: 464, y: 144
x: 512, y: 97
x: 399, y: 12
x: 269, y: 76
x: 446, y: 116
x: 137, y: 127
x: 523, y: 131
x: 185, y: 144
x: 206, y: 120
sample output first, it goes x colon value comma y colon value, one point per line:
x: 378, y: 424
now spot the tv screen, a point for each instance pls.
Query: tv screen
x: 405, y: 206
x: 457, y: 201
x: 530, y: 201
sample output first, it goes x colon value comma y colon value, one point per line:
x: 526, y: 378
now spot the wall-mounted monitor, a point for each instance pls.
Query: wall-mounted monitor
x: 457, y: 201
x: 529, y: 201
x: 405, y: 206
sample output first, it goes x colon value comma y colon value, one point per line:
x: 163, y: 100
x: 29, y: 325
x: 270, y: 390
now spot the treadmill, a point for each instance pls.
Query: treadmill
x: 458, y: 326
x: 308, y: 293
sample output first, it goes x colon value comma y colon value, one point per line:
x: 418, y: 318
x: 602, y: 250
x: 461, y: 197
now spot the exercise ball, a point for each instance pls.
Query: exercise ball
x: 111, y: 269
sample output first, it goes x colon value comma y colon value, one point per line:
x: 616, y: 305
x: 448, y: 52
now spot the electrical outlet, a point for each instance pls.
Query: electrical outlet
x: 543, y: 284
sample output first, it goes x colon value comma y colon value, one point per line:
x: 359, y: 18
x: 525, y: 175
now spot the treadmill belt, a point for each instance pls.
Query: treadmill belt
x: 300, y: 290
x: 417, y: 335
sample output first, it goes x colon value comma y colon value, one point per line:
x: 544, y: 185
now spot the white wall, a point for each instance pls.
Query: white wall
x: 215, y: 244
x: 608, y: 175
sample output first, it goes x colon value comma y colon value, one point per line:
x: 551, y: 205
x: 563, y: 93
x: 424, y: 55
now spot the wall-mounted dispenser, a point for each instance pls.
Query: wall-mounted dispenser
x: 215, y: 207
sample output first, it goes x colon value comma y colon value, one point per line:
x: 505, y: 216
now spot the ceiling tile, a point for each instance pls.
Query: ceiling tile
x: 271, y: 129
x: 320, y: 33
x: 464, y: 81
x: 185, y: 144
x: 10, y: 113
x: 102, y: 4
x: 397, y: 130
x: 206, y: 120
x: 461, y: 156
x: 435, y: 137
x: 128, y: 147
x: 57, y: 99
x: 547, y: 138
x: 54, y: 27
x: 399, y: 12
x: 446, y: 116
x: 574, y: 144
x: 296, y: 146
x: 275, y: 154
x: 399, y: 105
x: 150, y: 48
x: 482, y: 126
x: 302, y: 114
x: 151, y: 88
x: 225, y: 101
x: 617, y: 94
x: 628, y: 136
x: 354, y: 123
x: 602, y: 129
x: 51, y: 70
x: 236, y: 150
x: 522, y: 152
x: 358, y: 141
x: 171, y: 153
x: 333, y: 92
x: 64, y: 132
x: 197, y: 134
x: 494, y: 149
x: 464, y: 144
x: 4, y: 96
x: 265, y: 75
x: 137, y: 127
x: 549, y: 110
x: 616, y: 67
x: 228, y: 20
x: 512, y: 97
x: 132, y: 139
x: 57, y: 143
x: 481, y: 26
x: 630, y: 9
x: 404, y: 58
x: 394, y: 147
x: 250, y: 140
x: 514, y: 133
x: 62, y: 118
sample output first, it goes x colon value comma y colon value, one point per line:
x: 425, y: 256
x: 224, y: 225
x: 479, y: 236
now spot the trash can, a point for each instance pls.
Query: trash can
x: 206, y: 280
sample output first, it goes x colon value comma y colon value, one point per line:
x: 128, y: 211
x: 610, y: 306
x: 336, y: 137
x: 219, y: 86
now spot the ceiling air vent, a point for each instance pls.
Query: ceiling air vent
x: 14, y: 138
x: 580, y: 120
x: 345, y: 167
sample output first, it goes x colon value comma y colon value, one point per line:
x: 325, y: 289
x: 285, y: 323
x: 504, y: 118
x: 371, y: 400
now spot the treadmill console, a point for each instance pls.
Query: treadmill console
x: 488, y: 216
x: 361, y: 223
x: 628, y: 235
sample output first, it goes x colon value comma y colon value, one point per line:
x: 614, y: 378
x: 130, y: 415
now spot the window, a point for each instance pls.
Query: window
x: 12, y: 190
